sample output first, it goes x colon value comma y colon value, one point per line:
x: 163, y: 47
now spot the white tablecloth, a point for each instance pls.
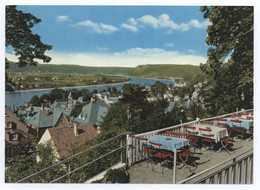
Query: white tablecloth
x: 217, y: 132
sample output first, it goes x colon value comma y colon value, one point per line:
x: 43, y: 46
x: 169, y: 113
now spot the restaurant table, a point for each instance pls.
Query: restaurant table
x: 246, y: 124
x: 168, y: 143
x: 217, y: 132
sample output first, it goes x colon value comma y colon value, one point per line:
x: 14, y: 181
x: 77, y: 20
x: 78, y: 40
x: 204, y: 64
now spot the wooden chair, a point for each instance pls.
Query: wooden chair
x: 177, y: 134
x: 160, y: 156
x: 208, y: 122
x: 191, y: 130
x: 206, y: 138
x: 185, y: 157
x: 224, y: 144
x: 238, y: 131
x: 145, y: 151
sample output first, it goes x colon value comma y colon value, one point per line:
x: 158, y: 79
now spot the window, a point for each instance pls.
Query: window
x: 15, y: 136
x: 9, y: 125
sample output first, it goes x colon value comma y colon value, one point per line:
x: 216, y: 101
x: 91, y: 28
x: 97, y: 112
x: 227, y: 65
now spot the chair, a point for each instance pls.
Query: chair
x: 238, y: 131
x: 208, y: 122
x: 206, y: 138
x: 251, y: 132
x: 224, y: 144
x: 160, y: 156
x: 221, y: 119
x: 145, y: 151
x: 250, y: 118
x: 177, y: 134
x: 236, y: 116
x: 185, y: 157
x: 191, y: 130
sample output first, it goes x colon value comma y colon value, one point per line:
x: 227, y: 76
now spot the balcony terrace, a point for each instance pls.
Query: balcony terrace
x: 234, y: 167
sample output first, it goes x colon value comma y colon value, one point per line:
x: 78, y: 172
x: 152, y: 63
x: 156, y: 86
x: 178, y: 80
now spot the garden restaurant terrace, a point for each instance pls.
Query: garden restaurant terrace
x: 215, y: 150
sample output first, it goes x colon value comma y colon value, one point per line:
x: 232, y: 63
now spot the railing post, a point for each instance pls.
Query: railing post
x: 174, y: 166
x: 121, y: 145
x: 69, y: 170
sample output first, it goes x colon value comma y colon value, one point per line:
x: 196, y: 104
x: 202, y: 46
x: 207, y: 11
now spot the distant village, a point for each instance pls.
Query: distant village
x: 53, y: 121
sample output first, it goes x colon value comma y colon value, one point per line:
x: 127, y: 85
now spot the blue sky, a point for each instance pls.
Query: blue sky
x: 124, y: 36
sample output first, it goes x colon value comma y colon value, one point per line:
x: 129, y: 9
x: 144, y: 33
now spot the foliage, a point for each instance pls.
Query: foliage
x: 35, y: 100
x: 166, y: 71
x: 24, y: 165
x: 77, y: 109
x: 66, y: 69
x: 230, y: 58
x: 26, y: 45
x: 44, y: 80
x: 116, y: 176
x: 159, y: 88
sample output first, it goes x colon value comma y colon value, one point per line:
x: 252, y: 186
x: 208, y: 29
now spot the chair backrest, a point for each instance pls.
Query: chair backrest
x: 177, y: 134
x: 202, y: 129
x: 155, y: 144
x: 235, y: 115
x: 235, y: 121
x: 248, y: 117
x: 221, y: 119
x: 141, y: 138
x: 208, y: 122
x: 190, y: 127
x: 222, y: 125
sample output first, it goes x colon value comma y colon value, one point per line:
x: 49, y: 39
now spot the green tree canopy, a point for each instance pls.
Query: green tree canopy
x: 19, y: 37
x: 159, y: 88
x: 230, y: 58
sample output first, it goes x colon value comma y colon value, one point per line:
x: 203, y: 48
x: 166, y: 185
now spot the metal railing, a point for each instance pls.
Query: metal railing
x: 66, y: 164
x: 135, y: 146
x: 131, y: 147
x: 236, y: 170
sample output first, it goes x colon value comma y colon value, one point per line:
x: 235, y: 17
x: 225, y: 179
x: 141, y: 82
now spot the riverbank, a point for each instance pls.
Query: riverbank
x: 68, y: 87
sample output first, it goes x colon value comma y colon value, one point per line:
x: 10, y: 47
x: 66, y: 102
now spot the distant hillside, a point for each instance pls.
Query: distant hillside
x: 187, y: 72
x: 51, y: 68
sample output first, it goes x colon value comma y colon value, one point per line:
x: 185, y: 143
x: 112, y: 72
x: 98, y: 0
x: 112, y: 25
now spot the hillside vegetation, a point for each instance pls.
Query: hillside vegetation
x: 71, y: 69
x: 187, y: 72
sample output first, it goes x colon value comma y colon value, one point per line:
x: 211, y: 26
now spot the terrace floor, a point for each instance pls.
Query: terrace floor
x: 140, y: 173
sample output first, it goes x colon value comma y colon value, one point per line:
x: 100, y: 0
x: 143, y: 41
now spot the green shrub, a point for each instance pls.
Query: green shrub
x: 116, y: 176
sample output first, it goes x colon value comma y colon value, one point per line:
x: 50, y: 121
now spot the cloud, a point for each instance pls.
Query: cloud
x: 128, y: 58
x: 163, y: 21
x: 99, y: 28
x: 62, y: 18
x: 197, y: 24
x: 169, y: 44
x: 129, y: 27
x: 191, y: 51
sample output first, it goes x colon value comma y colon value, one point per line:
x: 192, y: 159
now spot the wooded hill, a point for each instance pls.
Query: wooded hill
x: 72, y: 69
x: 187, y: 72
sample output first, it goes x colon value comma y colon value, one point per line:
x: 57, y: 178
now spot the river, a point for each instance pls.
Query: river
x: 19, y: 98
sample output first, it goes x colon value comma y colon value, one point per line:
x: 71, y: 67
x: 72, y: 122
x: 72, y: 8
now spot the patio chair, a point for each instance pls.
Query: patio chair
x: 145, y: 150
x: 179, y: 135
x: 208, y: 122
x: 206, y: 138
x: 162, y: 157
x: 238, y: 130
x: 225, y: 142
x: 251, y: 132
x: 191, y: 130
x: 185, y: 157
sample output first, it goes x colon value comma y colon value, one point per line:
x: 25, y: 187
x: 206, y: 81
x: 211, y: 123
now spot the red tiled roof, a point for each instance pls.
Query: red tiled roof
x: 65, y: 140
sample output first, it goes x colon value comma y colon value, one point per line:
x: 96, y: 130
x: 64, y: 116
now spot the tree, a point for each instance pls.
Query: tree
x: 159, y: 88
x: 35, y: 100
x: 26, y: 45
x: 230, y: 58
x: 21, y: 41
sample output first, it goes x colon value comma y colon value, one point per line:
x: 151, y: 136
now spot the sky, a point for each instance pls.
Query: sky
x: 123, y: 36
